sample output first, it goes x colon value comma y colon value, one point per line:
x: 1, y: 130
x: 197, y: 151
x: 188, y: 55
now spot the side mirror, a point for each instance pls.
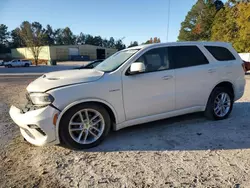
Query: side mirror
x: 137, y: 67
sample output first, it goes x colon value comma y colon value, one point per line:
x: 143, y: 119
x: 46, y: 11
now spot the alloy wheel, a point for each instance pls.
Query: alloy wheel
x: 222, y: 104
x: 86, y: 126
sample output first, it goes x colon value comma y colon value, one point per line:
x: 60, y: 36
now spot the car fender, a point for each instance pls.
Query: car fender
x: 79, y: 102
x: 225, y: 80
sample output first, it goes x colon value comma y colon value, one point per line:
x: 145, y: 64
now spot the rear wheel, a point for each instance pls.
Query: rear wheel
x: 26, y: 64
x: 84, y: 126
x: 220, y: 104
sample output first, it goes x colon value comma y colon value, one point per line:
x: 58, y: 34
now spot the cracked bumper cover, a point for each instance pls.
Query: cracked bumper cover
x: 36, y: 126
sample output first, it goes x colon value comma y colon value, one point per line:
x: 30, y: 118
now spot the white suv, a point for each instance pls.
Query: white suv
x: 136, y: 85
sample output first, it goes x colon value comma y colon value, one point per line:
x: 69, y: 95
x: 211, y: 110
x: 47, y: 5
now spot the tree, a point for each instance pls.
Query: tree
x: 58, y: 36
x: 16, y: 40
x: 231, y: 25
x: 199, y: 20
x: 4, y: 35
x: 111, y: 42
x: 242, y: 43
x: 156, y: 40
x: 80, y: 39
x: 218, y: 5
x: 189, y: 24
x: 32, y: 34
x: 97, y: 41
x: 205, y: 20
x: 105, y: 43
x: 119, y: 45
x: 151, y: 40
x: 49, y: 36
x: 134, y: 43
x: 224, y: 27
x: 67, y: 36
x: 89, y: 39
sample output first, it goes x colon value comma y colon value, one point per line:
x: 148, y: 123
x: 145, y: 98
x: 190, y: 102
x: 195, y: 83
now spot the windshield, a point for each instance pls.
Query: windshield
x: 116, y: 60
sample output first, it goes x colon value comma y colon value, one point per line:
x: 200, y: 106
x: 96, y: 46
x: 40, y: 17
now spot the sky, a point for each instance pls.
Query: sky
x: 136, y: 20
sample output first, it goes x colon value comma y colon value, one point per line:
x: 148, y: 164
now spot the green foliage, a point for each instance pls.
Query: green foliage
x: 198, y: 22
x: 119, y: 45
x: 16, y: 41
x: 49, y: 36
x: 232, y: 24
x: 4, y: 35
x: 134, y: 43
x: 151, y: 40
x: 30, y: 34
x: 213, y: 21
x: 33, y: 36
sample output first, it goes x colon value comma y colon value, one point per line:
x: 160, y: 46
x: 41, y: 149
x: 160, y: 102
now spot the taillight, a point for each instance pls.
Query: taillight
x: 244, y: 67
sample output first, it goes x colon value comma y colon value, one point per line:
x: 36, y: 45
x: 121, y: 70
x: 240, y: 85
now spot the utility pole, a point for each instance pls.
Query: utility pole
x: 168, y: 18
x: 122, y: 38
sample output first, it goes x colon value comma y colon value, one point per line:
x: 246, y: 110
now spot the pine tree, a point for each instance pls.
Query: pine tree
x: 242, y: 43
x: 232, y: 24
x: 199, y: 20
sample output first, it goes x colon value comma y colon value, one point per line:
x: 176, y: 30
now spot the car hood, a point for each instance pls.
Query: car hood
x: 63, y: 78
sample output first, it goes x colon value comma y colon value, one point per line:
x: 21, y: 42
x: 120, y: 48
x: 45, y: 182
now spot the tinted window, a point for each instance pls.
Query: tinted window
x: 186, y: 56
x: 220, y: 53
x: 155, y: 60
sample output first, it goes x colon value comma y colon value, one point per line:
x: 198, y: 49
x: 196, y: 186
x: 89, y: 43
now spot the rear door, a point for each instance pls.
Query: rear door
x: 224, y: 59
x: 194, y: 76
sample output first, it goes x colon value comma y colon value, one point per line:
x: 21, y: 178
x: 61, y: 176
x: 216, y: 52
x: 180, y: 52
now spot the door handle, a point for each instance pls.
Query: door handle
x: 167, y: 77
x: 211, y: 70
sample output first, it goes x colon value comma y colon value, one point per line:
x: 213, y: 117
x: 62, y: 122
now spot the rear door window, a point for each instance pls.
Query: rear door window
x: 220, y: 53
x: 186, y: 56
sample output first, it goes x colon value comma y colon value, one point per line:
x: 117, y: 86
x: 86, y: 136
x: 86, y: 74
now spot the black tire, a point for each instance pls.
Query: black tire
x: 209, y: 112
x: 64, y: 134
x: 26, y: 65
x: 9, y: 66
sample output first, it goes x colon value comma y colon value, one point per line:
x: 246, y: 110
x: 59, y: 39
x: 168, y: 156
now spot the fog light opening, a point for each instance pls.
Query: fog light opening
x: 33, y: 126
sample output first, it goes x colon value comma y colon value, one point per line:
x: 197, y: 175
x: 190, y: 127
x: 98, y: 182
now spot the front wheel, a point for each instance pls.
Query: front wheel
x: 220, y: 104
x: 84, y: 126
x: 26, y: 65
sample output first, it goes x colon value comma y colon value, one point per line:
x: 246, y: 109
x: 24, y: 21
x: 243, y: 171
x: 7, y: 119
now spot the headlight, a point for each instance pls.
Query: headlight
x: 41, y: 98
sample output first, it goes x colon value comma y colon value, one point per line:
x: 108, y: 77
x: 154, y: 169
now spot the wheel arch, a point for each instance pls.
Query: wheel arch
x: 106, y: 105
x: 225, y: 84
x: 228, y: 85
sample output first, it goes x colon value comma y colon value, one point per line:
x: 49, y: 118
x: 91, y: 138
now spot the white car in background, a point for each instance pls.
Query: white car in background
x: 135, y: 85
x: 1, y: 63
x: 18, y: 63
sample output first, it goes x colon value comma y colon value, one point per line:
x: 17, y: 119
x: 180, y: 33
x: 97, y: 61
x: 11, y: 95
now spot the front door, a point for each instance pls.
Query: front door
x: 153, y: 91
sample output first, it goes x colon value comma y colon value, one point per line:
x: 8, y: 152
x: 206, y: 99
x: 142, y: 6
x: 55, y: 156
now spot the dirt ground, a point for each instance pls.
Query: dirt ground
x: 186, y: 151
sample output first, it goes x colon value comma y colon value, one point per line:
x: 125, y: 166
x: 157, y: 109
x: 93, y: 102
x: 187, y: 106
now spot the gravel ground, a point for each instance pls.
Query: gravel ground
x: 186, y: 151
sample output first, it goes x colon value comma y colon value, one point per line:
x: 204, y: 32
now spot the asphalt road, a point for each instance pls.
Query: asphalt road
x: 18, y: 78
